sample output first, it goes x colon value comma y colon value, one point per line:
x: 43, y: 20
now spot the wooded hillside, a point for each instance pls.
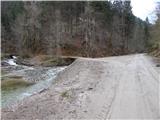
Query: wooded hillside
x: 154, y: 41
x: 91, y: 29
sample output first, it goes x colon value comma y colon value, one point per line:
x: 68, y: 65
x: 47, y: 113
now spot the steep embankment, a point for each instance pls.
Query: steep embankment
x: 104, y: 88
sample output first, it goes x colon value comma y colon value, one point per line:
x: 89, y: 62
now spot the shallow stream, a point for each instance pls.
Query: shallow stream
x: 45, y: 79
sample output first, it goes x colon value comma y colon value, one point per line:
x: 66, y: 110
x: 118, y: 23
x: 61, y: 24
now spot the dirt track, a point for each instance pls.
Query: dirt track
x: 104, y: 88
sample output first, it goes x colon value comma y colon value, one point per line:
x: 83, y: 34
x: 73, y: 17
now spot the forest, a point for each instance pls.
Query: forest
x: 77, y: 28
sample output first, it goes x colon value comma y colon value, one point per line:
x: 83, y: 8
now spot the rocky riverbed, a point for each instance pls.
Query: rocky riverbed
x: 20, y: 81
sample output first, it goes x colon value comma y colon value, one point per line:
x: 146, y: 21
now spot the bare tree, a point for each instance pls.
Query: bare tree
x: 58, y: 32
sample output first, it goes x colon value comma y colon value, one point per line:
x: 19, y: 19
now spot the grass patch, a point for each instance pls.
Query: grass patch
x: 14, y: 83
x: 65, y: 94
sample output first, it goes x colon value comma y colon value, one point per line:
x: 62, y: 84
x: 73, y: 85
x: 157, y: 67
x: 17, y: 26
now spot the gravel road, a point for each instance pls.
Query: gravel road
x: 124, y: 87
